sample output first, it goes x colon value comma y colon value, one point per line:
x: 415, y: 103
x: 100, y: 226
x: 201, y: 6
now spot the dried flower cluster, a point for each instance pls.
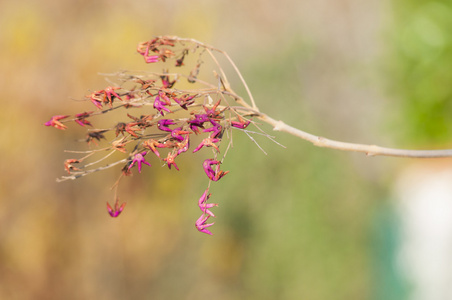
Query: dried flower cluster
x: 170, y: 115
x: 160, y: 117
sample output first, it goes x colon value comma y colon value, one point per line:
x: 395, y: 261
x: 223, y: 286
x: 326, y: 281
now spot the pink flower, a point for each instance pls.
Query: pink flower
x: 148, y: 58
x: 110, y: 94
x: 81, y: 118
x: 242, y: 124
x: 151, y: 58
x: 204, y: 206
x: 198, y: 122
x: 117, y: 210
x: 139, y: 159
x: 55, y: 122
x: 212, y: 112
x: 164, y: 123
x: 159, y: 105
x: 201, y: 224
x: 208, y: 142
x: 95, y: 99
x: 151, y: 144
x: 216, y: 174
x: 183, y: 146
x: 184, y: 101
x: 170, y: 160
x: 216, y: 129
x: 177, y: 134
x: 166, y: 83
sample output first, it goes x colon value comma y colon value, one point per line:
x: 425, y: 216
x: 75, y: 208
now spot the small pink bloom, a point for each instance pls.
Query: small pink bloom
x: 164, y: 123
x: 177, y: 134
x: 164, y: 96
x: 201, y: 224
x: 116, y: 211
x: 110, y: 94
x: 151, y: 58
x: 198, y: 122
x: 145, y: 52
x: 152, y: 144
x: 160, y: 106
x: 139, y: 160
x: 166, y: 83
x: 183, y: 146
x: 204, y: 206
x: 242, y: 124
x: 170, y: 160
x: 184, y: 101
x: 216, y: 174
x: 216, y: 129
x: 55, y: 122
x: 208, y: 142
x: 81, y: 118
x: 212, y: 112
x: 96, y: 99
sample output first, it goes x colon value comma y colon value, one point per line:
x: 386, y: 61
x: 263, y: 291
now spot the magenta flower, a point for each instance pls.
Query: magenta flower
x: 213, y: 113
x: 81, y: 120
x: 216, y: 174
x: 166, y: 83
x: 201, y: 224
x: 164, y: 123
x: 139, y: 159
x: 164, y: 97
x: 170, y: 160
x: 198, y: 122
x: 151, y: 144
x: 184, y: 101
x: 55, y: 122
x: 207, y: 165
x: 94, y: 97
x: 216, y: 129
x: 159, y: 105
x: 110, y: 94
x: 114, y: 212
x: 147, y: 58
x: 107, y: 96
x: 242, y: 124
x: 208, y: 142
x: 177, y: 134
x: 204, y: 206
x: 183, y: 146
x: 151, y: 58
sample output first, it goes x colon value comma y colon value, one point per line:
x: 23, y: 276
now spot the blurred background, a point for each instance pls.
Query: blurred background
x: 298, y: 223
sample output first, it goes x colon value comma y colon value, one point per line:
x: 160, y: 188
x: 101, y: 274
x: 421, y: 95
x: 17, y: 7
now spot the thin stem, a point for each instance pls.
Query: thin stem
x: 234, y: 66
x: 370, y: 150
x: 242, y: 79
x: 84, y: 173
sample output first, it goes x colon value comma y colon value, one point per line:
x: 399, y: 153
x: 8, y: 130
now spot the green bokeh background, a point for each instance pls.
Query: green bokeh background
x: 298, y: 223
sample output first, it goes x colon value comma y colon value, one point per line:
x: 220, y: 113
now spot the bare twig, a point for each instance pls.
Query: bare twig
x: 370, y: 150
x: 234, y: 66
x: 76, y: 175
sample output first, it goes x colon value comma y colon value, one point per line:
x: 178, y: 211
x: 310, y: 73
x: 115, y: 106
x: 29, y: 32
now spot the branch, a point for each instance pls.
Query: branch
x: 370, y: 150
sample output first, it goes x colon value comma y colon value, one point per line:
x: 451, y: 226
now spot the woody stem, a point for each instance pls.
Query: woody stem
x: 370, y: 150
